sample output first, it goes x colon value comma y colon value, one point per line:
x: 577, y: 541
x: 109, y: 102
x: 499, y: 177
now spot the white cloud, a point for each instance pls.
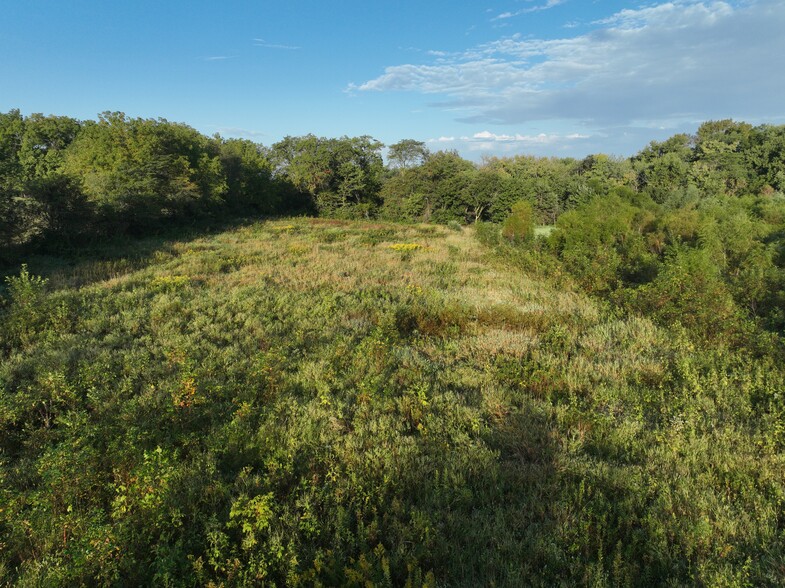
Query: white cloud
x: 239, y: 132
x: 659, y: 65
x: 518, y: 138
x: 546, y: 6
x: 494, y: 143
x: 263, y: 43
x: 463, y: 78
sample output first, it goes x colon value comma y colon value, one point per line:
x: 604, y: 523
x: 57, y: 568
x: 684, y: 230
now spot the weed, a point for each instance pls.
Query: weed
x: 273, y: 405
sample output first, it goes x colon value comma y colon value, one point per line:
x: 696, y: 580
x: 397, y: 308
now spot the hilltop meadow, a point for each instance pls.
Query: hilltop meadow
x: 223, y: 364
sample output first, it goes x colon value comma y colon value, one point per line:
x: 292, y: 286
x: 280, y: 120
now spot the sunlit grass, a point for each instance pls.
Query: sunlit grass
x: 373, y: 406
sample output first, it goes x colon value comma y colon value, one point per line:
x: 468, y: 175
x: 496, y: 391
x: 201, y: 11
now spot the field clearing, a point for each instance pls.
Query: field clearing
x: 308, y: 401
x: 544, y: 231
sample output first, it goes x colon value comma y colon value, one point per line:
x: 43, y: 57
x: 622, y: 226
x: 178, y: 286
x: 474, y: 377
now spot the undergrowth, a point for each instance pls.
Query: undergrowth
x: 301, y: 402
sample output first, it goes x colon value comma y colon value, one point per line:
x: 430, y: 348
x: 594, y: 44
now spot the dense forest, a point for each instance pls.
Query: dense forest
x: 223, y: 363
x: 63, y: 179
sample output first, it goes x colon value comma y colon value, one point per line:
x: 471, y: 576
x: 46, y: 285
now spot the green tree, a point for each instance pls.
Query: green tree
x: 358, y: 169
x: 719, y: 162
x: 55, y: 204
x: 548, y: 183
x: 336, y: 174
x: 603, y: 173
x: 482, y: 189
x: 445, y: 177
x: 43, y: 145
x: 304, y: 162
x: 12, y: 127
x: 663, y: 169
x: 139, y: 171
x: 11, y: 217
x: 408, y: 153
x: 248, y: 173
x: 402, y: 195
x: 766, y: 158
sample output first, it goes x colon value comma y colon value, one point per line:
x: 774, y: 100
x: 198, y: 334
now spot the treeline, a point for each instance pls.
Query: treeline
x: 63, y: 180
x: 67, y: 180
x: 715, y: 267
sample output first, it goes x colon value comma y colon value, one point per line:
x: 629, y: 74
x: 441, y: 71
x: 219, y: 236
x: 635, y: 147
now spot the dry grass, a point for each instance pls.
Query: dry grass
x: 484, y: 307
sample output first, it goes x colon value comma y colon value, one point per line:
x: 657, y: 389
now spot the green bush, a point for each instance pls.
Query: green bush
x: 27, y: 310
x: 519, y: 226
x: 689, y: 290
x: 487, y: 233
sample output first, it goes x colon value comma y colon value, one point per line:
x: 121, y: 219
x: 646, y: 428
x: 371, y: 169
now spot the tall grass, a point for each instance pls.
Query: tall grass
x: 301, y: 402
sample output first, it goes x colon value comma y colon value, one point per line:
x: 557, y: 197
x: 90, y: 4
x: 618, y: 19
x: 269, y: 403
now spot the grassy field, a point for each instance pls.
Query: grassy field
x: 308, y: 401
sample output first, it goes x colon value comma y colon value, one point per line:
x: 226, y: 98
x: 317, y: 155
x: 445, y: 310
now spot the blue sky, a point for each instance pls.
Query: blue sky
x: 494, y: 77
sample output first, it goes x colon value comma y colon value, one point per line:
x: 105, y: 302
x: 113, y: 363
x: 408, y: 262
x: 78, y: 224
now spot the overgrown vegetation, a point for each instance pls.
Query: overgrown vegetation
x: 273, y: 405
x: 318, y: 401
x: 64, y: 181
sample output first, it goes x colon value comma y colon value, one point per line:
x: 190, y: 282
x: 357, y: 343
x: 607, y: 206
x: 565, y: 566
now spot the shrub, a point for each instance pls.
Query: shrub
x: 689, y: 290
x: 519, y: 226
x: 26, y: 313
x: 487, y: 233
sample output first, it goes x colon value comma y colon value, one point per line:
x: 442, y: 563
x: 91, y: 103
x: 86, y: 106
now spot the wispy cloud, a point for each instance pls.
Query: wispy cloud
x: 488, y: 142
x: 219, y: 57
x: 518, y: 138
x: 263, y: 43
x: 239, y: 132
x: 539, y: 7
x: 660, y: 64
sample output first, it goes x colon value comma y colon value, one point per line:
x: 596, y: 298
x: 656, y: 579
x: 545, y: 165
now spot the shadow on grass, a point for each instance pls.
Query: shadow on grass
x: 83, y: 263
x: 504, y: 532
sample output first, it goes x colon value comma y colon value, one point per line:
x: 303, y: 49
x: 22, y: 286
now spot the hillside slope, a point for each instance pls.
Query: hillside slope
x: 309, y: 401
